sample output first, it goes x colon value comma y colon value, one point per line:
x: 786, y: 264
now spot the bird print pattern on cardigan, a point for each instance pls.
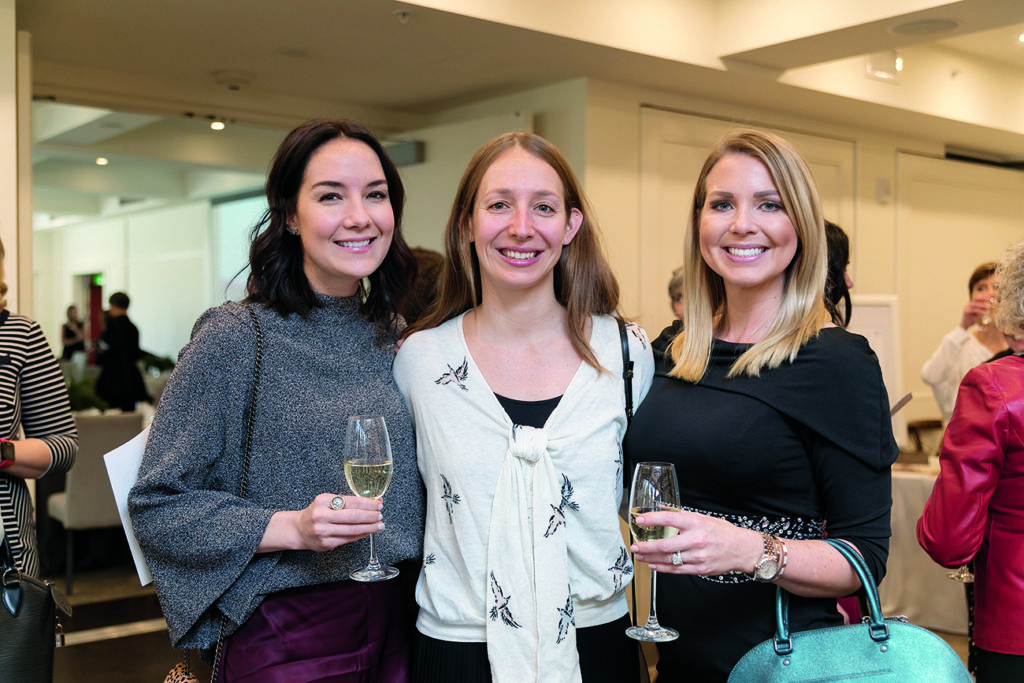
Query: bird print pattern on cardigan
x: 500, y: 609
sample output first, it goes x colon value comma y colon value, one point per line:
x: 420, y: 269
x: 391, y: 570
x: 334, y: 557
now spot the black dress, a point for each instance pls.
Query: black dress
x: 120, y: 383
x: 801, y: 451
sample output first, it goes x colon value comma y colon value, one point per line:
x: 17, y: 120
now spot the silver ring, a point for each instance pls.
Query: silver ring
x: 677, y: 558
x: 337, y: 503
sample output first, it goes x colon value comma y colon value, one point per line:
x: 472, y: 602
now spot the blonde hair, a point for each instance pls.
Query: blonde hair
x: 584, y: 282
x: 802, y: 311
x: 1009, y: 309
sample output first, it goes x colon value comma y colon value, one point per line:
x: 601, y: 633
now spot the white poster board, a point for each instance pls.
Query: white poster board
x: 875, y: 316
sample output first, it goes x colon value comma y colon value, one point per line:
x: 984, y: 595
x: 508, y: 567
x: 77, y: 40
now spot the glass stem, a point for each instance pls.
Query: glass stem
x: 374, y: 564
x: 652, y: 616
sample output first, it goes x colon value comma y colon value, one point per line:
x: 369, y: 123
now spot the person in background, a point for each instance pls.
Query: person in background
x: 838, y: 282
x: 675, y: 292
x: 776, y: 419
x: 276, y: 563
x: 514, y: 379
x: 970, y: 343
x: 35, y: 400
x: 429, y: 264
x: 976, y: 508
x: 120, y: 382
x: 72, y: 334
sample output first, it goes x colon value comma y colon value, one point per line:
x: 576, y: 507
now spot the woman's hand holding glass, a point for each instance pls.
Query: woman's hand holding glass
x: 324, y: 527
x: 978, y: 311
x: 321, y: 527
x: 704, y: 545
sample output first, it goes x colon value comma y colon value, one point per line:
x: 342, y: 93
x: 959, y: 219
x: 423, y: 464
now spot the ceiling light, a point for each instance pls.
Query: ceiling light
x: 102, y: 161
x: 885, y: 66
x: 216, y: 124
x: 1021, y: 37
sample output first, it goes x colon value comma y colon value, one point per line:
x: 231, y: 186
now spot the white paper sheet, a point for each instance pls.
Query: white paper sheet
x: 123, y: 469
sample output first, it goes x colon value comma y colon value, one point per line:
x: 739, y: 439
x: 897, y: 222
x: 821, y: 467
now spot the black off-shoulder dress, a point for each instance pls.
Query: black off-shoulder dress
x: 802, y: 451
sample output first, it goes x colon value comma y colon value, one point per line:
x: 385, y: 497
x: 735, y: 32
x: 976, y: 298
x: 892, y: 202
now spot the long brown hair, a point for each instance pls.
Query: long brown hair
x: 584, y: 283
x: 802, y: 311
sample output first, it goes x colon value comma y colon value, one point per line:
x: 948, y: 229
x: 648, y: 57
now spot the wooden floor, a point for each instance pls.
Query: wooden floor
x: 117, y: 633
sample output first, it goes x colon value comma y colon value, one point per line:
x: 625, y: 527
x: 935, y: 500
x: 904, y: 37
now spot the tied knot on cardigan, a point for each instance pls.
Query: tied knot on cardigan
x: 528, y: 443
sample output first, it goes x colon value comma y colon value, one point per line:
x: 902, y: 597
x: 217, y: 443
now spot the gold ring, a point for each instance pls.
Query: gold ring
x: 337, y: 503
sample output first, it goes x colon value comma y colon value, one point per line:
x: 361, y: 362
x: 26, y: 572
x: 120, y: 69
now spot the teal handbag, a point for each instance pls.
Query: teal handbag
x: 878, y: 649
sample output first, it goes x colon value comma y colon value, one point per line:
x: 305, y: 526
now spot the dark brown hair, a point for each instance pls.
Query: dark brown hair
x: 276, y: 275
x: 982, y: 272
x: 836, y: 291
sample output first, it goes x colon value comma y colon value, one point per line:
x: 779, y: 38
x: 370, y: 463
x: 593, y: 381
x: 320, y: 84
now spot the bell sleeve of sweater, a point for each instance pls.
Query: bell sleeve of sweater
x: 199, y: 537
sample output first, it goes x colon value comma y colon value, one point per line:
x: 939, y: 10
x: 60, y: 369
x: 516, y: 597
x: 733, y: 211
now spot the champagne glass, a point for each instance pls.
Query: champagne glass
x: 654, y: 488
x: 368, y: 469
x: 986, y: 316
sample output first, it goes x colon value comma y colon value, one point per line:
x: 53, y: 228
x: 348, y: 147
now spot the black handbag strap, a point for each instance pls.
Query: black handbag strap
x: 627, y: 369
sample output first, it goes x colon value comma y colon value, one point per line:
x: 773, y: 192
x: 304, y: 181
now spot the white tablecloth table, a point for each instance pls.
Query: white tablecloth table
x: 914, y: 585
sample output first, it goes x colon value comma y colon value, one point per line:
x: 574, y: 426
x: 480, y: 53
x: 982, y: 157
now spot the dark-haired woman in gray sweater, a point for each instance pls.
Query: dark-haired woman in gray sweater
x: 329, y: 273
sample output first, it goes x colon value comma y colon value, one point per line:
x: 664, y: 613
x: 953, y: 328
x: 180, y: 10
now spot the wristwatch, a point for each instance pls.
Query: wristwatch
x: 6, y: 454
x: 769, y: 566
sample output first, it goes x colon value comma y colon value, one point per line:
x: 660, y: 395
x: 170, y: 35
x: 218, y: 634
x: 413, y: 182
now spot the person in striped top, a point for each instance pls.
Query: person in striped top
x: 33, y: 402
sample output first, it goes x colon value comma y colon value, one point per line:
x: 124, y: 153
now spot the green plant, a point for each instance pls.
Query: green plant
x: 82, y: 395
x: 158, y: 363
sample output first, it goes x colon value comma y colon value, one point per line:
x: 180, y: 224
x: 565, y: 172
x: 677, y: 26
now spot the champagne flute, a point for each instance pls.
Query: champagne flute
x: 654, y: 488
x: 368, y: 469
x: 986, y: 316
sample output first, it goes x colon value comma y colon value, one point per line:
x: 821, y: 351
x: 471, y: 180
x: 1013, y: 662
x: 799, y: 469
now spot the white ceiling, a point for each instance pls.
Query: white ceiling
x: 269, y: 64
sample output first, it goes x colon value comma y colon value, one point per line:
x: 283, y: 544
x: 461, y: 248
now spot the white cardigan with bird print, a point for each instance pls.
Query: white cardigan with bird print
x: 522, y: 535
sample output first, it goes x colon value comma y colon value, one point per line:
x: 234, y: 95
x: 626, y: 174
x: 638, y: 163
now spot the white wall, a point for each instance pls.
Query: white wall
x: 159, y: 257
x: 951, y: 216
x: 168, y: 267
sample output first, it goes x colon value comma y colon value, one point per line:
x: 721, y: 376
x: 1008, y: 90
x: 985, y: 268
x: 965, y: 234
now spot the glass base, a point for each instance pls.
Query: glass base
x: 374, y: 573
x: 657, y: 634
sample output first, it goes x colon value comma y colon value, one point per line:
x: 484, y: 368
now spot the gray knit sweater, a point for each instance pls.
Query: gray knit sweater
x: 198, y: 536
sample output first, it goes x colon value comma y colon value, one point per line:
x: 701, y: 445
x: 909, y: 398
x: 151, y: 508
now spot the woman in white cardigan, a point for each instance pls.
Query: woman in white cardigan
x: 970, y: 343
x: 514, y: 381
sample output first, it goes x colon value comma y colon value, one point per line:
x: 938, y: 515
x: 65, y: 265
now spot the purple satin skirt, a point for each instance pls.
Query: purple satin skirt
x: 344, y: 632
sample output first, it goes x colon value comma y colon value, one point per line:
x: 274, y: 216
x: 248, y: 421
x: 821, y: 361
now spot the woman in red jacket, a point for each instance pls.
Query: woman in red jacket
x: 976, y: 510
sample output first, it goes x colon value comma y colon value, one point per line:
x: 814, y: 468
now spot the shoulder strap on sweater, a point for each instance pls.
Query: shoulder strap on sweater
x: 627, y: 368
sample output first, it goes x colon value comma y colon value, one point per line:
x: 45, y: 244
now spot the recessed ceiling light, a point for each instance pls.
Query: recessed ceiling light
x: 1021, y: 37
x: 925, y: 27
x: 216, y: 124
x: 102, y: 161
x: 885, y: 66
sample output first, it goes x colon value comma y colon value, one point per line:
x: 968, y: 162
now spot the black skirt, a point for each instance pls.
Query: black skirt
x: 607, y: 655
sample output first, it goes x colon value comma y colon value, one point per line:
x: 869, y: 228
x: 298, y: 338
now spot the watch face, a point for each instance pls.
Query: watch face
x: 767, y: 569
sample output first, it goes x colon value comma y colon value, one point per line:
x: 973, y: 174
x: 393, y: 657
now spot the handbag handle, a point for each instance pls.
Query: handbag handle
x: 876, y: 622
